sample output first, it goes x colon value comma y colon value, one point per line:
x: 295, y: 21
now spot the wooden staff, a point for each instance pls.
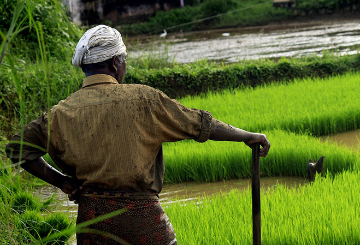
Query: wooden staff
x: 255, y: 190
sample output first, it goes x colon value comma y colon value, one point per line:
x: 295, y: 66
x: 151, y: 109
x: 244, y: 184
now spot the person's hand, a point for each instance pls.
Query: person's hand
x: 72, y: 187
x: 259, y: 138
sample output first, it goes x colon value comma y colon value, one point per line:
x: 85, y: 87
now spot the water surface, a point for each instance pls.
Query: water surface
x: 295, y: 40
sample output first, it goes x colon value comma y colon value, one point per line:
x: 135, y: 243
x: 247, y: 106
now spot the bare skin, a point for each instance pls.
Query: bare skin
x: 41, y: 169
x: 220, y: 131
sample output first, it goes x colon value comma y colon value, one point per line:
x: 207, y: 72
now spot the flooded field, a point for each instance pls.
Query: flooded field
x: 192, y: 190
x: 349, y: 139
x: 184, y: 191
x: 231, y: 45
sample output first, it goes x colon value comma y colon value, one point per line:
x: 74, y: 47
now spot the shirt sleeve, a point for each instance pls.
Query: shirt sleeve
x: 175, y: 121
x: 34, y: 138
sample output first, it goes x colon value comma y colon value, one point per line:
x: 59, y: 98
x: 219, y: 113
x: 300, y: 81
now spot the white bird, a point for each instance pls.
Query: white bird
x: 314, y: 168
x: 226, y: 34
x: 163, y: 34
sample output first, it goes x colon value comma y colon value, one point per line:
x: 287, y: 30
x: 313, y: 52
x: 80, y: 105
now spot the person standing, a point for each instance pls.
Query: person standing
x: 107, y: 138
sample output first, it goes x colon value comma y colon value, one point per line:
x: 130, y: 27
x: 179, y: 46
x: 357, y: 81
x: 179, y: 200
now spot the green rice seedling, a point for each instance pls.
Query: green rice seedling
x: 39, y: 226
x: 25, y: 201
x: 325, y: 212
x: 288, y: 156
x: 315, y: 106
x: 310, y: 107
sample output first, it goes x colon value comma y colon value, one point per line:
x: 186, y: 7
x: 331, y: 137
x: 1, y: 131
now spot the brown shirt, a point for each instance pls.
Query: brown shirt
x: 110, y: 135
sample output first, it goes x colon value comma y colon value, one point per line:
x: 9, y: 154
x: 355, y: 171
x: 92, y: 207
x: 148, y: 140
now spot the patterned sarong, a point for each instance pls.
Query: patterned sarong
x: 143, y: 222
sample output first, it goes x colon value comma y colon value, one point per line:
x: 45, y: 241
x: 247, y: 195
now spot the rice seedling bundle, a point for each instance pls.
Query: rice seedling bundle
x: 325, y: 212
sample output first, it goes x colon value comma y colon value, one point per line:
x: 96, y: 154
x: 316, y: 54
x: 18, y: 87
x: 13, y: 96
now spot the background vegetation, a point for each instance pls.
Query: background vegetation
x: 234, y: 13
x: 36, y: 49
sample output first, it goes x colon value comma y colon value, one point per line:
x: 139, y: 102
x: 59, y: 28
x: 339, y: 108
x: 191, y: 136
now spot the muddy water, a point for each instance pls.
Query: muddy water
x: 192, y: 190
x: 349, y: 139
x: 179, y: 192
x: 292, y: 40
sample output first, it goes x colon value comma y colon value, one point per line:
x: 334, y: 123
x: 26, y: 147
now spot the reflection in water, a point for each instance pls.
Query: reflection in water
x: 340, y: 36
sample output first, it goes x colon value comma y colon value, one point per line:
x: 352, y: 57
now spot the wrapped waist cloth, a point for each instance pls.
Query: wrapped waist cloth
x: 143, y: 222
x: 113, y: 193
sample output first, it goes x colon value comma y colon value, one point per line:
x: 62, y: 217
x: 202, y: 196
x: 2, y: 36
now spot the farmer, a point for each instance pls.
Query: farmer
x: 107, y: 138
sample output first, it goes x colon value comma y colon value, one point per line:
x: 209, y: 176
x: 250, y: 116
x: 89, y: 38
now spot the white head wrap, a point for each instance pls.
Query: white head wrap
x: 98, y: 44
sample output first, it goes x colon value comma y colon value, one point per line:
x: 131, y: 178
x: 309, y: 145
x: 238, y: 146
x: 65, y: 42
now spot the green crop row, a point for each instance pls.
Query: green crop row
x: 289, y: 156
x: 180, y: 80
x: 315, y: 106
x: 325, y: 212
x: 202, y: 77
x: 290, y: 114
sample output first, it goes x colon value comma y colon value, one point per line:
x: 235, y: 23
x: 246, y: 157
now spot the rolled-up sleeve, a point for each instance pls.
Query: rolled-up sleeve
x: 175, y: 121
x: 33, y: 143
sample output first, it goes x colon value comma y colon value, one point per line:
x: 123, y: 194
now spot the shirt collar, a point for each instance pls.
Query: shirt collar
x: 98, y: 79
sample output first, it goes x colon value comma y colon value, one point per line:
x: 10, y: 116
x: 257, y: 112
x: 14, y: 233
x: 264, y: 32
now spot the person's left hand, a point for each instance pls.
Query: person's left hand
x: 72, y: 187
x: 262, y: 139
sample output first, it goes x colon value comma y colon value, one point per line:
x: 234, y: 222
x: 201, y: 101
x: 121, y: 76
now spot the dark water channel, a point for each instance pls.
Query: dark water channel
x: 272, y: 41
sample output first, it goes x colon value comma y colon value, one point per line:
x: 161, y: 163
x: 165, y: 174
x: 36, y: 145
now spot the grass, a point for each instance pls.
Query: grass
x: 30, y: 86
x: 25, y: 218
x: 289, y: 155
x: 325, y: 212
x: 290, y: 115
x: 309, y: 106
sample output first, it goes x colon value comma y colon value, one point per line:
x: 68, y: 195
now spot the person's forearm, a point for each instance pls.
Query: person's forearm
x: 41, y: 169
x: 221, y: 131
x: 224, y: 132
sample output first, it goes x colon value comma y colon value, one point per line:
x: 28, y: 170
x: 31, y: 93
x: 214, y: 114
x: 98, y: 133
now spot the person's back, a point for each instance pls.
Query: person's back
x: 116, y: 132
x: 107, y: 136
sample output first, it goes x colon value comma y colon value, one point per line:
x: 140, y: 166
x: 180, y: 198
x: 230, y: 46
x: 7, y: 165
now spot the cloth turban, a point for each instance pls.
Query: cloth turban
x: 98, y: 44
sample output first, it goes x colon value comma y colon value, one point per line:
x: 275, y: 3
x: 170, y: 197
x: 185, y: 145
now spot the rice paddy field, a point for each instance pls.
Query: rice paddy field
x: 292, y: 115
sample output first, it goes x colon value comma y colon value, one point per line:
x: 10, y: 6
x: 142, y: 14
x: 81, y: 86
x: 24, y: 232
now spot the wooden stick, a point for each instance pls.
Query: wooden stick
x: 255, y: 190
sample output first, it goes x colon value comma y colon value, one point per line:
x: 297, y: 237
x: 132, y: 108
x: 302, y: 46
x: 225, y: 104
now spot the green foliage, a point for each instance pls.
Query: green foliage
x: 64, y: 79
x: 250, y: 15
x: 164, y: 20
x: 201, y: 77
x: 24, y: 201
x: 22, y: 214
x: 290, y: 115
x: 317, y: 5
x: 307, y: 214
x: 214, y: 7
x: 59, y: 34
x: 289, y: 154
x: 39, y: 226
